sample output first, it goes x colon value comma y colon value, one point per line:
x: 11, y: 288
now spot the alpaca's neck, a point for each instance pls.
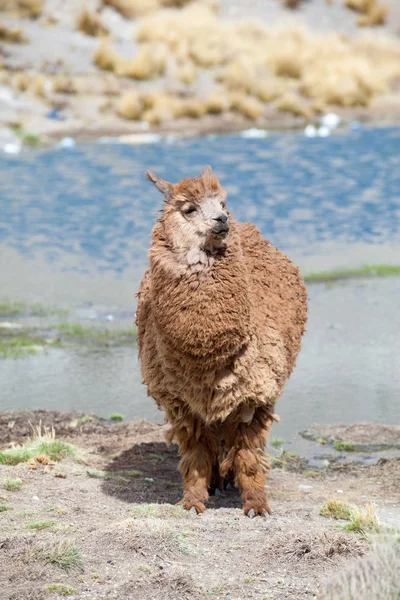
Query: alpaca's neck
x: 200, y: 298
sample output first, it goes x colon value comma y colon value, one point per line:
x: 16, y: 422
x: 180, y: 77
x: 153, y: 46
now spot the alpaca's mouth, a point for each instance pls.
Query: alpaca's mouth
x: 220, y: 231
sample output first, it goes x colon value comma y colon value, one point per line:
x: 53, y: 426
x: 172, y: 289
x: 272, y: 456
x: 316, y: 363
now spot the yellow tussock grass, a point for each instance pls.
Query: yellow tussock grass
x: 372, y: 12
x: 15, y: 35
x: 160, y: 107
x: 106, y: 57
x: 149, y: 63
x: 131, y: 9
x: 21, y: 81
x: 64, y: 84
x: 130, y: 106
x: 195, y: 27
x: 192, y: 108
x: 249, y: 107
x: 187, y: 73
x: 88, y: 22
x: 40, y: 86
x: 22, y: 8
x: 217, y: 103
x: 293, y: 104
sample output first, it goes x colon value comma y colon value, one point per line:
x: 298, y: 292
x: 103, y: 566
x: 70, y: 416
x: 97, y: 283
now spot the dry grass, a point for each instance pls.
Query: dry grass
x: 192, y: 108
x: 22, y: 8
x: 149, y: 63
x: 89, y: 22
x: 14, y: 35
x: 187, y: 73
x: 21, y: 81
x: 372, y: 13
x: 249, y: 107
x: 292, y: 4
x: 40, y: 86
x: 106, y: 57
x: 293, y: 104
x: 364, y: 520
x: 63, y: 554
x: 374, y: 577
x: 336, y: 509
x: 131, y: 9
x: 64, y: 84
x: 130, y: 106
x: 217, y: 103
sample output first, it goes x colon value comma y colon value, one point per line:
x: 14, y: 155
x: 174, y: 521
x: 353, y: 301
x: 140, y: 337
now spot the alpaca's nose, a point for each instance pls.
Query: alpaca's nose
x: 222, y: 218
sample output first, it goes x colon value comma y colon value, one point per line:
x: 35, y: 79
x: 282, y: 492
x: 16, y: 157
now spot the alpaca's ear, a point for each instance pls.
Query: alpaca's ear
x: 165, y: 187
x: 207, y: 171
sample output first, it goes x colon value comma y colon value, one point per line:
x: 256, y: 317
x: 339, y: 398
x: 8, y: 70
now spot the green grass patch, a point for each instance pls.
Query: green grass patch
x: 365, y: 271
x: 276, y: 442
x: 78, y: 330
x: 336, y: 509
x: 62, y: 589
x: 14, y: 456
x: 4, y: 508
x: 17, y: 346
x: 12, y: 485
x: 38, y: 525
x: 12, y: 308
x: 54, y: 449
x: 344, y: 446
x: 96, y: 473
x: 117, y: 417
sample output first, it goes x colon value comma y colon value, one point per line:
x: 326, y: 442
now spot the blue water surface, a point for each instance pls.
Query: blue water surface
x: 94, y: 204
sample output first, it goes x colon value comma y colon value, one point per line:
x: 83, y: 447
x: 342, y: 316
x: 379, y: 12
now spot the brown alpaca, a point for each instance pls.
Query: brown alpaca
x: 220, y: 317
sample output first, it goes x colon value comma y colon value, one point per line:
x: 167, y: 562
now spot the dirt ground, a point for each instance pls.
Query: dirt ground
x: 112, y: 507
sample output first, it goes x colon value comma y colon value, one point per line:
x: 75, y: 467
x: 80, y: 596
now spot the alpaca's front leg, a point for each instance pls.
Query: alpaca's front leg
x: 246, y: 436
x: 196, y: 469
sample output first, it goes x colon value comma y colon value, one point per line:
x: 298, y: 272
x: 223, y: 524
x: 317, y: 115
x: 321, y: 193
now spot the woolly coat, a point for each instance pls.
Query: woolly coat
x: 223, y: 338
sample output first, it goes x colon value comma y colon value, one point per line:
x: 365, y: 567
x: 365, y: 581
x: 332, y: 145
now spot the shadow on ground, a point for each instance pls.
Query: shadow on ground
x: 148, y: 472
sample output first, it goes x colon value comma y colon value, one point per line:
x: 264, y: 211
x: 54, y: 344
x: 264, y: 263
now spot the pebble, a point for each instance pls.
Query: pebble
x: 330, y: 120
x: 254, y: 133
x: 310, y: 131
x: 324, y: 131
x: 67, y: 142
x: 302, y: 486
x: 12, y: 148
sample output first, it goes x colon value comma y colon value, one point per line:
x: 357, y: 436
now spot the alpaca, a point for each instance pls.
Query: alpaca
x: 220, y: 317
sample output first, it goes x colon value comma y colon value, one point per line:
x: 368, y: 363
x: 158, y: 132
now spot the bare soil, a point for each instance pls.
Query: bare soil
x: 102, y: 503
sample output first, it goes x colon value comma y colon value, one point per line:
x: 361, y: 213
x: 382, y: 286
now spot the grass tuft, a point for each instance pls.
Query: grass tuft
x: 43, y: 444
x: 39, y: 525
x: 344, y: 446
x: 62, y: 589
x: 277, y: 442
x: 23, y: 8
x: 90, y: 23
x: 63, y: 554
x: 4, y: 508
x: 336, y: 509
x: 14, y: 35
x: 364, y: 520
x: 117, y: 417
x: 12, y: 485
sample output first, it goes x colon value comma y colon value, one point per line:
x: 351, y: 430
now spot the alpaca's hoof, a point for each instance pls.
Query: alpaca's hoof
x: 263, y: 510
x: 195, y: 507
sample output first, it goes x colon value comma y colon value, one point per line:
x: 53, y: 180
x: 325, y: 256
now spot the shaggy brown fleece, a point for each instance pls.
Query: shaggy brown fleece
x: 218, y: 338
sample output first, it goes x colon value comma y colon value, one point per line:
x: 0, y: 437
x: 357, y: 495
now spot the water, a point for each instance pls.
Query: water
x: 75, y: 227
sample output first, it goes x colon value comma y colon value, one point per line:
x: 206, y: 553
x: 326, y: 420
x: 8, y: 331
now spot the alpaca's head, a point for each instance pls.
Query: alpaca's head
x: 194, y: 214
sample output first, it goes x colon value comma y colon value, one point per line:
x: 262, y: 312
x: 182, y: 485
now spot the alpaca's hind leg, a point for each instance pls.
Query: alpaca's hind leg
x: 246, y: 443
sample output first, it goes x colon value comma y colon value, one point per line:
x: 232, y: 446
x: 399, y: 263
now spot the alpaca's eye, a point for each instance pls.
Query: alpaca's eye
x: 189, y: 210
